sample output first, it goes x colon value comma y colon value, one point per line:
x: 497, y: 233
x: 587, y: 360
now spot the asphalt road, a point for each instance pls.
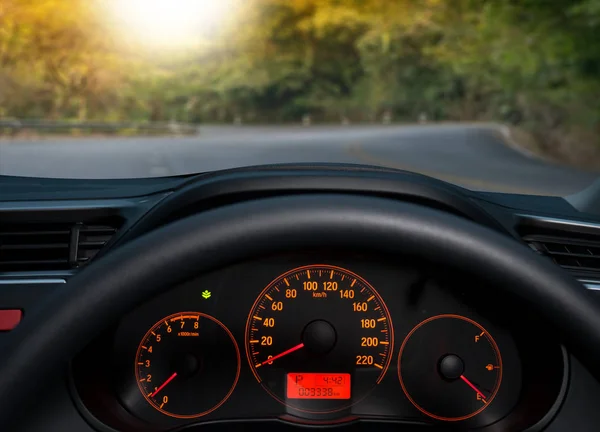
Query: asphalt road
x: 475, y: 156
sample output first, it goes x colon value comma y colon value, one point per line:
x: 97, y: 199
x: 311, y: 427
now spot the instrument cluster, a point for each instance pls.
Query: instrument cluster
x: 321, y: 342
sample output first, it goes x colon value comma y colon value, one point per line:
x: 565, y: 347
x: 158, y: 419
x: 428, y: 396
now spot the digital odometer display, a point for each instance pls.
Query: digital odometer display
x: 318, y: 386
x: 327, y: 322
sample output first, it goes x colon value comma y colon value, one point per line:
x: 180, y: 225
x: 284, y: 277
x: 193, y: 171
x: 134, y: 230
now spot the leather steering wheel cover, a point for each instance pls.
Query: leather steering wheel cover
x: 101, y: 293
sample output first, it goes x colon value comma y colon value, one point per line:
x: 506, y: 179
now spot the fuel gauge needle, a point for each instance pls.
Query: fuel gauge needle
x: 163, y: 385
x: 470, y: 384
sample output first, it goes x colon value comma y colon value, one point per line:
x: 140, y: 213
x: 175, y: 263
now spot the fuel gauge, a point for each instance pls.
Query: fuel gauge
x: 450, y: 367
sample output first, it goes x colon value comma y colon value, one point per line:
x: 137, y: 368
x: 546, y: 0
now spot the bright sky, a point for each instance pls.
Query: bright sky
x: 170, y: 23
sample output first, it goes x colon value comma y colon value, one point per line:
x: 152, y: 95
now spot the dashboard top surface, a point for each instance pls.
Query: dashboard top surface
x: 41, y: 189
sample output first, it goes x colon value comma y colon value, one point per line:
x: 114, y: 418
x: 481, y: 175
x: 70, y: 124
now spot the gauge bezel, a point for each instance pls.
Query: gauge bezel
x: 329, y: 267
x: 168, y: 318
x: 494, y: 347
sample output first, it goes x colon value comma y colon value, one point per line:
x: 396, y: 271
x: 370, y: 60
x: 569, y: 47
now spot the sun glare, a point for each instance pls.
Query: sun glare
x: 170, y: 22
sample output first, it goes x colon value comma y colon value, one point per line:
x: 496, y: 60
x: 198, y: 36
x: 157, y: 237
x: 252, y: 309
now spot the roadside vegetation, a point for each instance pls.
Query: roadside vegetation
x: 533, y: 64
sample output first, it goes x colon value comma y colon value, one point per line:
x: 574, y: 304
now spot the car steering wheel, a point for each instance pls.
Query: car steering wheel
x: 116, y: 283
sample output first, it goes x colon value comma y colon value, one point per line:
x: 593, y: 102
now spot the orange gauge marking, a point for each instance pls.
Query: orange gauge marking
x: 150, y: 386
x: 327, y: 293
x: 476, y: 392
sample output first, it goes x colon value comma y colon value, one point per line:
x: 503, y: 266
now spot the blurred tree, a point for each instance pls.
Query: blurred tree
x: 532, y: 62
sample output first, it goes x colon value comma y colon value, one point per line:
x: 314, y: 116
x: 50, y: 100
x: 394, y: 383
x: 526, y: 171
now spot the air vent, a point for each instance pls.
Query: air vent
x: 90, y: 239
x: 34, y: 246
x: 51, y: 246
x: 574, y: 254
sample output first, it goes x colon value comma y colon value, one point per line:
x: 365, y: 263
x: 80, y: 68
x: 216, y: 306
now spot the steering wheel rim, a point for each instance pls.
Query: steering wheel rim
x: 110, y: 287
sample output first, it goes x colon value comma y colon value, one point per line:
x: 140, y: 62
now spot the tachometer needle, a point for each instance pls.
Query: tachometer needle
x: 470, y: 384
x: 286, y: 352
x: 163, y: 385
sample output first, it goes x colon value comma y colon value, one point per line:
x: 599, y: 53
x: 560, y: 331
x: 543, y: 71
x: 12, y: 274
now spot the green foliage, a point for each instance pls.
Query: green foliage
x: 533, y: 62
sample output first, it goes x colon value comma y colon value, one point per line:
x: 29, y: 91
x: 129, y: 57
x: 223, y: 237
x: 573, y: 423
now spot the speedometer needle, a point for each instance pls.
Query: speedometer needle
x: 163, y: 385
x: 286, y: 352
x: 470, y: 384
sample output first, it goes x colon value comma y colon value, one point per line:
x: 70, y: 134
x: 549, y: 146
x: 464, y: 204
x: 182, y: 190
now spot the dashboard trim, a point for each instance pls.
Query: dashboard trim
x: 592, y: 285
x: 66, y: 205
x: 32, y: 281
x: 554, y: 221
x: 562, y: 394
x: 240, y: 185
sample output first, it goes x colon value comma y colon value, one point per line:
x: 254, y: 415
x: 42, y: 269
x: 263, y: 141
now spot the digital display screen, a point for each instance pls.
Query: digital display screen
x: 318, y: 386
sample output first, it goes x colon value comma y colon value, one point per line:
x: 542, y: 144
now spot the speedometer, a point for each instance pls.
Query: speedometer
x: 319, y: 338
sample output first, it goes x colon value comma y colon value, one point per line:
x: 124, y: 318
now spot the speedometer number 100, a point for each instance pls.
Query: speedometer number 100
x: 316, y: 324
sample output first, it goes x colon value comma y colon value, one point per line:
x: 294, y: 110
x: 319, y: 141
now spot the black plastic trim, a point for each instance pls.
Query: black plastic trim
x: 124, y: 211
x: 238, y: 185
x: 554, y: 410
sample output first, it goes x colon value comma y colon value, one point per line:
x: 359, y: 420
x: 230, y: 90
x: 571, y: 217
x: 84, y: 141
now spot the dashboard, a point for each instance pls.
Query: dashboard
x: 320, y: 337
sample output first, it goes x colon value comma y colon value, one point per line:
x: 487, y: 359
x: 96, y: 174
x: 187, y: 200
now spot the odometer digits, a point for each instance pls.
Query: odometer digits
x: 319, y: 338
x: 318, y: 386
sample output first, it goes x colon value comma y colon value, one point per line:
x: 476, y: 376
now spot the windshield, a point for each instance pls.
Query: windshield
x: 492, y: 95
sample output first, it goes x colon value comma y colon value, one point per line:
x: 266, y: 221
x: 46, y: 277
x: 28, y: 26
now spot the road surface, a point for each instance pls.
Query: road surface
x: 475, y: 156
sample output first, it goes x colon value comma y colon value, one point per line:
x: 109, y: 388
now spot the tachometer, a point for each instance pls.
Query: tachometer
x: 187, y: 365
x: 319, y: 338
